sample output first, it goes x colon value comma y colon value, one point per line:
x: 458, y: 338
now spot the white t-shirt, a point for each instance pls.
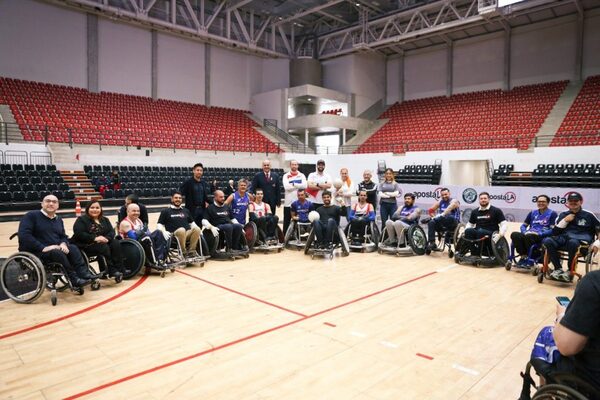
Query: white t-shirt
x: 316, y: 195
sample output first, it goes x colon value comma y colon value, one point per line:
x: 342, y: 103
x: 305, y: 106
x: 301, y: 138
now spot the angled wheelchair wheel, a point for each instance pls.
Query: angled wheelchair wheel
x: 134, y: 257
x: 23, y: 277
x: 501, y: 251
x: 290, y: 233
x: 558, y: 392
x: 417, y: 240
x: 343, y: 242
x: 280, y: 235
x: 591, y: 262
x: 309, y: 241
x: 466, y: 215
x: 459, y: 231
x: 250, y: 233
x: 375, y: 234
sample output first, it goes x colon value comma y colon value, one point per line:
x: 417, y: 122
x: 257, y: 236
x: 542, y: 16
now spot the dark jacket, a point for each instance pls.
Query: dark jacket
x: 85, y: 231
x: 37, y: 231
x: 271, y: 188
x: 195, y: 202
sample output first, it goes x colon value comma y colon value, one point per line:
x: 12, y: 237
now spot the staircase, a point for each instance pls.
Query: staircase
x: 9, y: 130
x: 81, y: 185
x: 362, y: 136
x: 556, y: 116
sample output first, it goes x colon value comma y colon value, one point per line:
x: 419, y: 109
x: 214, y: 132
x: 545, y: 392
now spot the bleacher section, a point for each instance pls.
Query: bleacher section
x: 154, y: 181
x: 581, y: 126
x: 549, y: 175
x: 480, y: 120
x: 424, y: 174
x: 20, y: 183
x: 123, y: 120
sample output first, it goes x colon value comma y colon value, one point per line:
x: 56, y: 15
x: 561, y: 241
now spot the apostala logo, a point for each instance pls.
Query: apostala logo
x: 434, y: 194
x: 508, y: 197
x: 469, y: 195
x: 555, y: 199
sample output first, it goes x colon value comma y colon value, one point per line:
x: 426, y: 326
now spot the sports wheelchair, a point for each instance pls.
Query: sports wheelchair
x: 338, y: 241
x: 139, y: 253
x: 490, y: 254
x: 23, y: 277
x: 217, y: 250
x: 257, y: 239
x: 535, y: 255
x: 369, y: 240
x: 559, y: 386
x: 413, y: 242
x: 176, y: 258
x: 296, y: 234
x: 445, y: 239
x: 584, y: 255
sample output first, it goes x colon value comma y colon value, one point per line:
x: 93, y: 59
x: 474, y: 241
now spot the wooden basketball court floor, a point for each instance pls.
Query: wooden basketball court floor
x: 281, y: 326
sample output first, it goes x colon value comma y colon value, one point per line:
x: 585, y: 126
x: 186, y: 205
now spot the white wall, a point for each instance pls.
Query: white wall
x: 543, y: 52
x: 425, y: 73
x: 591, y: 45
x: 268, y: 105
x: 357, y: 163
x: 393, y: 66
x: 230, y: 80
x: 180, y: 69
x: 478, y: 64
x: 275, y: 74
x: 43, y: 43
x: 124, y: 59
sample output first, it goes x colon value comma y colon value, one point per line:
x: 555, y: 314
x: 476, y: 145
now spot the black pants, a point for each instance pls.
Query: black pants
x: 440, y: 224
x: 287, y: 218
x: 267, y: 225
x: 73, y: 262
x: 357, y: 227
x: 233, y: 234
x: 326, y: 231
x: 561, y: 242
x: 524, y: 242
x: 111, y: 252
x: 477, y: 233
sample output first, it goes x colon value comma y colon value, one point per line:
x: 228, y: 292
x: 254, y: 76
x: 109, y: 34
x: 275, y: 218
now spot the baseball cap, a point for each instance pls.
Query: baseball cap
x: 321, y: 162
x: 574, y: 196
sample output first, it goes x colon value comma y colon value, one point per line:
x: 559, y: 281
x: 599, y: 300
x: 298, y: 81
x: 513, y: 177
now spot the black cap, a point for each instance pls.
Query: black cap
x: 574, y: 196
x: 321, y: 162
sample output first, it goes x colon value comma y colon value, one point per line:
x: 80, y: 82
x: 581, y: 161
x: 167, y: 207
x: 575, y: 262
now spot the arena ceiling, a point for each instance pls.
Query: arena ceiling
x: 330, y: 28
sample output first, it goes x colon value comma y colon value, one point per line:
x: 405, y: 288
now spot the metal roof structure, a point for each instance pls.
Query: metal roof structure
x: 326, y: 29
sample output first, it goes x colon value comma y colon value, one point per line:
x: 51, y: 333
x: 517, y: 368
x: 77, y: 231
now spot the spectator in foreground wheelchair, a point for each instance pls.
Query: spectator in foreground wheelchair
x: 484, y: 221
x: 326, y: 226
x: 409, y: 214
x: 573, y: 227
x: 154, y: 244
x: 445, y: 215
x: 361, y: 214
x: 94, y: 235
x: 177, y: 220
x: 538, y: 225
x: 217, y: 219
x: 261, y: 215
x: 42, y: 233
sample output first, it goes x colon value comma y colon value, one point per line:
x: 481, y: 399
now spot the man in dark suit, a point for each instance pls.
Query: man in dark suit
x: 270, y: 184
x: 196, y: 192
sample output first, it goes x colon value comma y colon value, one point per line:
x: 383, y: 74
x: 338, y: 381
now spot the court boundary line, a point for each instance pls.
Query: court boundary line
x: 74, y: 314
x: 241, y: 340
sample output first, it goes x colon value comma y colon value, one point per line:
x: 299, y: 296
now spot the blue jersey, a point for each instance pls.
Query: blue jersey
x: 583, y: 227
x: 239, y: 207
x: 455, y: 213
x: 545, y: 347
x: 302, y: 209
x: 405, y: 213
x: 539, y: 223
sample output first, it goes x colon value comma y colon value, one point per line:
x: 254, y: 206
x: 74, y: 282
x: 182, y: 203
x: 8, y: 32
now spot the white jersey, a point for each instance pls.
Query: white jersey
x: 316, y: 195
x: 291, y: 184
x: 260, y: 210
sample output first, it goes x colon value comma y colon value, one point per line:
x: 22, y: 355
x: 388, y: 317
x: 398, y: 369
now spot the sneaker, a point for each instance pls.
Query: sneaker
x: 356, y: 243
x: 192, y: 254
x: 556, y: 274
x: 565, y: 276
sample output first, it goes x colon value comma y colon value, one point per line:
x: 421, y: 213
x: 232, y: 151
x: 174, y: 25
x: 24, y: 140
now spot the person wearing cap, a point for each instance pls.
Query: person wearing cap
x: 572, y: 227
x: 270, y: 183
x: 318, y: 182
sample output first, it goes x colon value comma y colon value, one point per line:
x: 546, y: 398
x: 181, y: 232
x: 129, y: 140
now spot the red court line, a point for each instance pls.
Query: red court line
x: 329, y: 324
x: 229, y: 344
x: 242, y: 294
x: 425, y: 356
x: 64, y: 317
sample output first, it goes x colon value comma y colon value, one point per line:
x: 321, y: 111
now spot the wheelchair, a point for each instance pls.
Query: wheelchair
x: 102, y: 271
x: 256, y: 239
x: 535, y: 255
x: 583, y: 255
x: 490, y: 254
x: 414, y: 242
x: 339, y: 241
x: 559, y: 386
x: 369, y: 241
x: 176, y: 258
x: 216, y: 247
x: 445, y: 239
x: 134, y: 257
x: 296, y: 235
x: 23, y: 277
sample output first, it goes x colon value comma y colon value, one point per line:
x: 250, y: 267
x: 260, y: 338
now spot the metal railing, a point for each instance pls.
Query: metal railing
x: 271, y: 126
x: 126, y: 139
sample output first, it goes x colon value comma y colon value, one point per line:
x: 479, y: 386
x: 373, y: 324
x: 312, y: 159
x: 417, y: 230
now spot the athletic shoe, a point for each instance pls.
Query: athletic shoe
x: 557, y: 274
